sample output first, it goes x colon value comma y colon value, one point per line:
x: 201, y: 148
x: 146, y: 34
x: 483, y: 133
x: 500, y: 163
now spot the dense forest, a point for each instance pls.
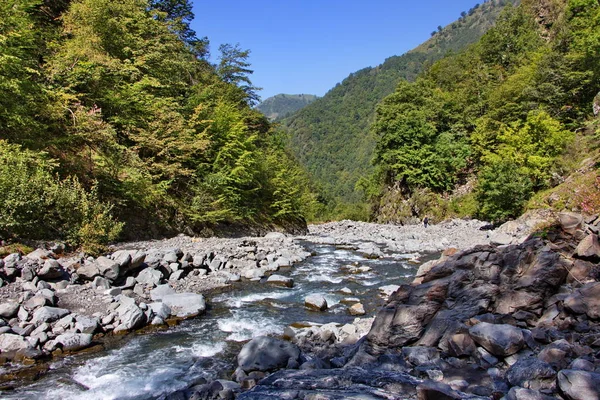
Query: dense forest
x: 331, y: 137
x: 481, y: 132
x: 282, y: 105
x: 114, y: 124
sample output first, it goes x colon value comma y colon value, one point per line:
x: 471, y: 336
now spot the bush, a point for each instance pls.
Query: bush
x: 37, y: 205
x: 502, y: 191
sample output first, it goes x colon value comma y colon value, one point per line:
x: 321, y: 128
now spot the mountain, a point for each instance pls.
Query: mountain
x: 331, y: 136
x: 281, y: 105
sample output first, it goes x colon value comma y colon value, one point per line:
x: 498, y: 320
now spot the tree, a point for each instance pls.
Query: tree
x: 234, y: 68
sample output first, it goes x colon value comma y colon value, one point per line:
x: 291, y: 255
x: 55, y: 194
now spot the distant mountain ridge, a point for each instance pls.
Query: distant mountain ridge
x: 282, y: 105
x: 331, y: 136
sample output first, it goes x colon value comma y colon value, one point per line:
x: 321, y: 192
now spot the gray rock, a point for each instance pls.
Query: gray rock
x: 73, y: 341
x: 9, y: 309
x: 129, y: 283
x: 160, y: 291
x: 177, y: 275
x: 161, y: 310
x: 123, y: 258
x: 23, y: 315
x: 279, y: 280
x: 585, y: 300
x: 130, y: 316
x: 185, y: 305
x: 10, y: 261
x: 137, y: 259
x: 579, y: 385
x: 88, y: 272
x: 100, y: 283
x: 51, y: 270
x: 420, y: 355
x: 113, y: 291
x: 10, y: 342
x: 387, y: 290
x: 170, y: 257
x: 149, y: 277
x: 275, y: 235
x: 110, y: 269
x: 499, y: 339
x: 531, y: 373
x: 85, y: 324
x: 518, y: 393
x: 48, y: 314
x: 267, y: 354
x: 316, y: 302
x: 40, y: 254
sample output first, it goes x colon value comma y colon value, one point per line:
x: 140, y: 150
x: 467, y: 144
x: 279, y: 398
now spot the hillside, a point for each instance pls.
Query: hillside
x: 331, y: 136
x: 282, y: 105
x: 506, y: 124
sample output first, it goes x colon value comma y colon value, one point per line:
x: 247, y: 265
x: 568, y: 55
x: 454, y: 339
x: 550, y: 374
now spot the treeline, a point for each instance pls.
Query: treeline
x: 494, y: 119
x: 331, y: 137
x: 113, y: 122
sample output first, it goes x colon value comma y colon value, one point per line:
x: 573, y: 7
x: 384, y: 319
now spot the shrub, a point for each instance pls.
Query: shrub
x: 36, y: 204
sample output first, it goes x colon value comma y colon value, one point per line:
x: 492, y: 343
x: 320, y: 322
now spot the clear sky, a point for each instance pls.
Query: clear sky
x: 308, y: 46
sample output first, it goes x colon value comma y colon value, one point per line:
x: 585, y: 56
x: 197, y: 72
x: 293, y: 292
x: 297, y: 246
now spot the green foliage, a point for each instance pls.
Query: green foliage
x: 502, y: 110
x: 282, y: 105
x: 503, y: 191
x: 120, y: 97
x: 36, y: 204
x: 332, y: 138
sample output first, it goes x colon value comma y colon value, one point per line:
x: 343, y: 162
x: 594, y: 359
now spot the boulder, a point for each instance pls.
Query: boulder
x: 316, y: 302
x: 531, y: 373
x: 85, y: 324
x: 40, y: 254
x: 519, y: 393
x: 387, y: 290
x: 48, y: 314
x: 570, y: 222
x: 10, y: 342
x: 579, y: 385
x: 499, y: 339
x: 100, y: 283
x: 130, y: 316
x: 50, y: 270
x: 585, y: 300
x: 275, y: 235
x: 267, y: 354
x: 110, y: 269
x: 160, y: 291
x: 160, y: 309
x: 185, y: 305
x: 9, y: 309
x: 88, y: 272
x: 279, y: 280
x: 74, y: 341
x: 357, y: 309
x: 149, y: 277
x: 588, y: 248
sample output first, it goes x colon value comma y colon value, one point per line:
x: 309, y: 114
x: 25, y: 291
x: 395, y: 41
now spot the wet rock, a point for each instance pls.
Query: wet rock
x: 266, y: 354
x: 499, y: 339
x: 357, y: 309
x: 48, y: 314
x: 280, y: 280
x: 185, y: 305
x: 73, y: 341
x: 579, y: 385
x: 316, y: 302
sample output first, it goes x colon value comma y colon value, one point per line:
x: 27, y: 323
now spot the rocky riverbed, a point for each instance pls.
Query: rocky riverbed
x: 54, y: 305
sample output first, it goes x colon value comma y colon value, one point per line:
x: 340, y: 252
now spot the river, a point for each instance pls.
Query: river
x: 146, y: 366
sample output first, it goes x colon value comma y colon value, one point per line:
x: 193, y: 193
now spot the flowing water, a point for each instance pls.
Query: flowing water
x: 150, y: 365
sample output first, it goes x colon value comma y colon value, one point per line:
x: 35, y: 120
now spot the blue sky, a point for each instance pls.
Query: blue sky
x: 308, y: 46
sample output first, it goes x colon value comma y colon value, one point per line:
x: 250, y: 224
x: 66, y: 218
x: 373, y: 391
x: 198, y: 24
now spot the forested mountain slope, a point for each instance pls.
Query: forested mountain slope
x: 112, y: 121
x: 331, y: 136
x: 281, y: 105
x: 481, y: 132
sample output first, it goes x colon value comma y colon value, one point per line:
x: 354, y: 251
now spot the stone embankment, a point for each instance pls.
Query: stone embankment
x: 514, y: 321
x: 50, y: 304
